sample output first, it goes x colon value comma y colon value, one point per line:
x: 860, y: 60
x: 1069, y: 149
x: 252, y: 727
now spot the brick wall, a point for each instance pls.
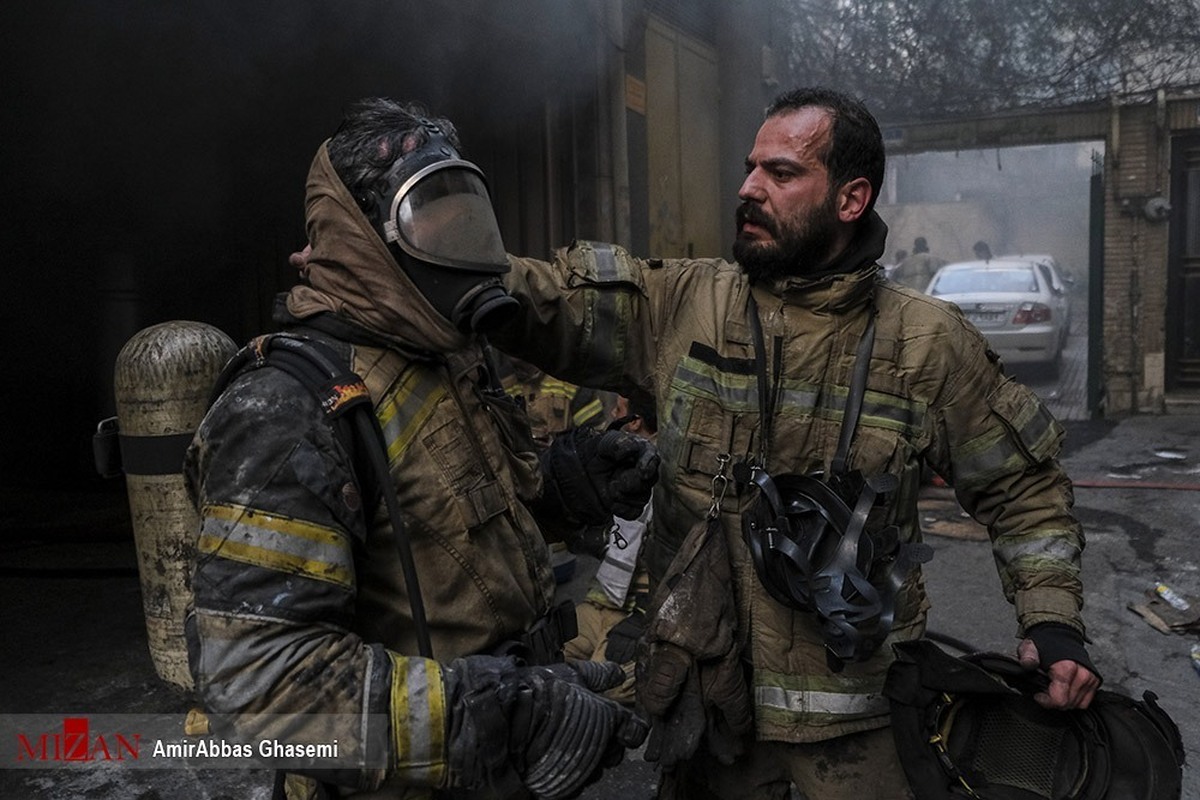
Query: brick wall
x: 1135, y: 260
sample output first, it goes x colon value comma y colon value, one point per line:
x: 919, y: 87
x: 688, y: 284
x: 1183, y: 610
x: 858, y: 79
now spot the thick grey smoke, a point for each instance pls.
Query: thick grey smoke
x: 1016, y: 199
x: 155, y: 155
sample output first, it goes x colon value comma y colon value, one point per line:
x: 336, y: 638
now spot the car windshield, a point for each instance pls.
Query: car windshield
x: 986, y: 281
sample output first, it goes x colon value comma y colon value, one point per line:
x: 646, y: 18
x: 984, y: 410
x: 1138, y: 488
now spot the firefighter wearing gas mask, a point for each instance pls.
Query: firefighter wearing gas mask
x: 302, y: 611
x: 433, y: 211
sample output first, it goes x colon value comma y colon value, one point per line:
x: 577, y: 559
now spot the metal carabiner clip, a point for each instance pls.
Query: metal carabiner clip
x: 619, y: 541
x: 720, y: 483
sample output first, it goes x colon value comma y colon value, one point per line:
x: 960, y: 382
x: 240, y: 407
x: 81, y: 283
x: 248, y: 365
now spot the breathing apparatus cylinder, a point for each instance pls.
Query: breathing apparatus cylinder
x: 162, y: 380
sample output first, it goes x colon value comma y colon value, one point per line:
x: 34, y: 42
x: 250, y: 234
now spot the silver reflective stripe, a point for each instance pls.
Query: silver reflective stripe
x: 1041, y: 546
x: 419, y: 736
x: 418, y: 716
x: 835, y: 703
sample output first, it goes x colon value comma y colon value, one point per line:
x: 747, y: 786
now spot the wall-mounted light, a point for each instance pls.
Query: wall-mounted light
x: 1157, y: 209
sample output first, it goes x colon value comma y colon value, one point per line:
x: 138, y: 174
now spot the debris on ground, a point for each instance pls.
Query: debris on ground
x: 1182, y: 616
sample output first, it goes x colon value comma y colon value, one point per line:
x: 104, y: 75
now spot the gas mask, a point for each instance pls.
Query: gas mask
x: 435, y: 215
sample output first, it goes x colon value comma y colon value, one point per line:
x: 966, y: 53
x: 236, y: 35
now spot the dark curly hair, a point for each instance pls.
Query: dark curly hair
x: 374, y: 132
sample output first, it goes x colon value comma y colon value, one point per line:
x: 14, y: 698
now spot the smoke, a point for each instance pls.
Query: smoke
x: 1018, y: 200
x: 155, y: 157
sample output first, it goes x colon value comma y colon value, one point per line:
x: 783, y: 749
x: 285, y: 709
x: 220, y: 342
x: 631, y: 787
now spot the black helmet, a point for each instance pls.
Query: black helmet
x: 969, y: 727
x: 812, y: 553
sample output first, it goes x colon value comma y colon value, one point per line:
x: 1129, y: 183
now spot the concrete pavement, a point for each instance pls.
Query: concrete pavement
x: 1138, y: 496
x: 75, y: 642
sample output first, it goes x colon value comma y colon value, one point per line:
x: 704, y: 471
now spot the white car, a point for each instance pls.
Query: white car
x: 1019, y: 303
x: 1060, y: 281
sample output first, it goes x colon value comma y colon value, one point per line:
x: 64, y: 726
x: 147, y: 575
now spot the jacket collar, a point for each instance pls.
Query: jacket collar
x: 848, y: 281
x: 352, y: 274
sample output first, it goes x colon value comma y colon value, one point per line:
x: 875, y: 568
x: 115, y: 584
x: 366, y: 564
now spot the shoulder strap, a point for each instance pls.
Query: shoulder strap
x: 326, y: 373
x: 768, y: 397
x: 311, y: 361
x: 346, y: 401
x: 858, y: 387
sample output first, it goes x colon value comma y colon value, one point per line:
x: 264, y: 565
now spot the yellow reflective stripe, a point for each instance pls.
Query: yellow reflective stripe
x: 983, y: 458
x: 818, y: 700
x: 1041, y: 548
x: 590, y: 410
x: 271, y: 559
x: 892, y: 413
x: 557, y: 388
x: 407, y: 406
x: 418, y: 717
x: 276, y: 542
x: 1036, y: 553
x: 244, y: 515
x: 737, y: 392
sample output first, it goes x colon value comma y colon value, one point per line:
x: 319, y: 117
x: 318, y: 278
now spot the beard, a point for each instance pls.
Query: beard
x: 800, y: 244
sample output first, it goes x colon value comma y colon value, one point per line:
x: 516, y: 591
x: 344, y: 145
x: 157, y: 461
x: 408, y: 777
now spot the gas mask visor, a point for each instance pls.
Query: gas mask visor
x: 442, y: 218
x: 443, y: 215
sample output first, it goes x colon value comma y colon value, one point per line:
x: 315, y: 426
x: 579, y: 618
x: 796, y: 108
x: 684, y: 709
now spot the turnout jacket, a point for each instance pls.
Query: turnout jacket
x: 678, y: 330
x: 302, y: 617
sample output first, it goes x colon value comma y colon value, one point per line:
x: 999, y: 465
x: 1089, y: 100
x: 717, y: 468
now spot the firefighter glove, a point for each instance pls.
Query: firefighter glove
x: 1058, y: 642
x: 545, y: 728
x: 594, y: 475
x: 690, y: 703
x: 623, y: 637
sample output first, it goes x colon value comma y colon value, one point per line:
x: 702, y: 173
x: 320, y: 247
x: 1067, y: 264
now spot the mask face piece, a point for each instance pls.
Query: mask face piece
x: 443, y: 215
x: 436, y: 215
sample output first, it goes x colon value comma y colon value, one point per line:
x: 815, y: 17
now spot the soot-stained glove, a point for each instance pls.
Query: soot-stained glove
x: 690, y: 703
x: 623, y: 637
x: 544, y: 728
x: 690, y: 676
x: 591, y: 475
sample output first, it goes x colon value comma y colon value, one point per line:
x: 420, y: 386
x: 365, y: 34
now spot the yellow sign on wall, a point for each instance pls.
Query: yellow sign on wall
x: 635, y: 94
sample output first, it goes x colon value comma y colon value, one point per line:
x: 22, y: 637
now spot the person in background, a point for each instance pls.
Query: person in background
x: 612, y: 614
x: 555, y: 407
x: 982, y: 251
x: 897, y: 259
x: 917, y: 270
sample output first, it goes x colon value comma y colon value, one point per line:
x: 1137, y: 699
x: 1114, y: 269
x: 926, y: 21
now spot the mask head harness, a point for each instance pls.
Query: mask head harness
x: 968, y: 727
x: 433, y: 210
x: 807, y: 533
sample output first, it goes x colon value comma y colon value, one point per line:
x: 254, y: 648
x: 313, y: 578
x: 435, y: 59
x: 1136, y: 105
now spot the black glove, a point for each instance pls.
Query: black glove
x: 541, y: 727
x: 668, y: 688
x: 593, y: 475
x: 623, y: 637
x: 1056, y: 641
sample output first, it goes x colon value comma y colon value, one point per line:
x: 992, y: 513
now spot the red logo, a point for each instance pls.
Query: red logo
x: 77, y: 743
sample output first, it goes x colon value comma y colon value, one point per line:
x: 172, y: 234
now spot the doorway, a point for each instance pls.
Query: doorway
x: 682, y: 124
x: 1183, y: 267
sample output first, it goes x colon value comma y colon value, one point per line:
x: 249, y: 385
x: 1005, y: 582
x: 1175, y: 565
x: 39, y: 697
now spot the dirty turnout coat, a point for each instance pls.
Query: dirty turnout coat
x: 678, y: 330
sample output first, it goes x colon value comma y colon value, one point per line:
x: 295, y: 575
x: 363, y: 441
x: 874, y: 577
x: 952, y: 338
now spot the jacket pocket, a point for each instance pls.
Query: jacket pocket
x: 1031, y: 426
x: 713, y: 442
x: 478, y: 496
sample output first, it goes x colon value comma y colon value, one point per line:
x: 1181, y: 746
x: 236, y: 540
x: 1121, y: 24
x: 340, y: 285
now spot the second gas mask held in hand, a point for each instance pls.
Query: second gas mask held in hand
x: 434, y: 212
